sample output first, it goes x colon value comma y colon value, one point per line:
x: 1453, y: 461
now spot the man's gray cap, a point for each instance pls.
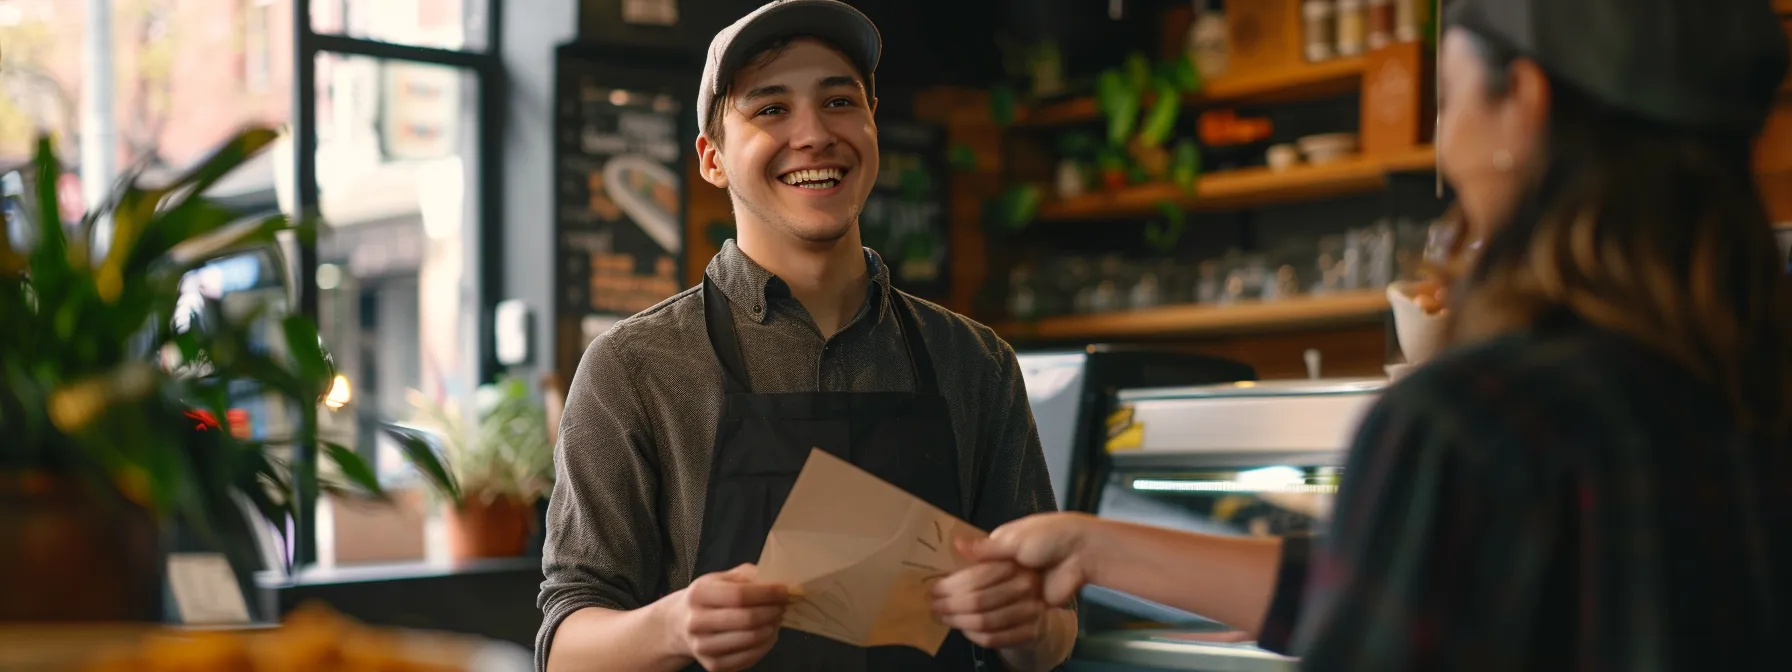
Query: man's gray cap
x: 1713, y: 65
x: 832, y: 21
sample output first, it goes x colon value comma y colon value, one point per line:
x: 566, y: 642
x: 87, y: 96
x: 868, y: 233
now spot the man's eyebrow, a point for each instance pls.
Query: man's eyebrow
x: 840, y: 81
x: 764, y: 92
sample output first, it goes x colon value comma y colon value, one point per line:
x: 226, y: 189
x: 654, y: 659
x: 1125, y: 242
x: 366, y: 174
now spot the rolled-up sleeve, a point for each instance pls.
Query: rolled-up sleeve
x: 602, y: 538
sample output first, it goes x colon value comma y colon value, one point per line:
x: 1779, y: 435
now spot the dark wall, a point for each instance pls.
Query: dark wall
x: 926, y: 42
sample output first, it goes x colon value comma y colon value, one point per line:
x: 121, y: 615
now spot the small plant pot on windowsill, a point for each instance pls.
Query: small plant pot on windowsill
x: 489, y: 527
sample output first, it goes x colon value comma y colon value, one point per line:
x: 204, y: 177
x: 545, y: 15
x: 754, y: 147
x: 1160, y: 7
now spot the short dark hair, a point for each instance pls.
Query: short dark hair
x: 762, y: 54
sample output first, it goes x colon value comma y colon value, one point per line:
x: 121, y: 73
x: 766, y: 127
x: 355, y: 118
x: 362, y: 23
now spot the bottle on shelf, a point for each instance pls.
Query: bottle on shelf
x: 1352, y: 28
x: 1381, y: 23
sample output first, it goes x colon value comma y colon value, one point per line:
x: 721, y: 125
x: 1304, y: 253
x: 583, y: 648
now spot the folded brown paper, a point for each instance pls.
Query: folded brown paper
x: 861, y: 556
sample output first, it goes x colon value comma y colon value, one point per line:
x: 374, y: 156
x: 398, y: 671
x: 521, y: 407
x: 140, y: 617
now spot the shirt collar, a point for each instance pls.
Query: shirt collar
x: 750, y: 286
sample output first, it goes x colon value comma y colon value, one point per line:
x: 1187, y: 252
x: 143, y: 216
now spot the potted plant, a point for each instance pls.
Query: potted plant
x: 118, y: 390
x: 502, y: 461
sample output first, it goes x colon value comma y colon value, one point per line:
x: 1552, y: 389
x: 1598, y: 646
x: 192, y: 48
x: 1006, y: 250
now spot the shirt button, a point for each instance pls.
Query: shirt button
x: 757, y: 309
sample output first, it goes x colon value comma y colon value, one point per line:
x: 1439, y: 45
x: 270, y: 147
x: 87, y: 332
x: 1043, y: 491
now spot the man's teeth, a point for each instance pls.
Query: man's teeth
x: 820, y: 178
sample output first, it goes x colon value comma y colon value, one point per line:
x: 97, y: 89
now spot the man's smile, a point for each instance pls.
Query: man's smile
x: 814, y: 179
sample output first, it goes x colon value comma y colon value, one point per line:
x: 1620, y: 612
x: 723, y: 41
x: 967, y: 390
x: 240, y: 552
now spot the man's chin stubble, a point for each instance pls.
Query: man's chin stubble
x: 831, y: 235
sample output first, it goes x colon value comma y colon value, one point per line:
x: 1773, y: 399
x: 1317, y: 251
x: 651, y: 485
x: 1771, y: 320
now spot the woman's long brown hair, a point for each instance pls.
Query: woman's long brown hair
x: 1648, y: 230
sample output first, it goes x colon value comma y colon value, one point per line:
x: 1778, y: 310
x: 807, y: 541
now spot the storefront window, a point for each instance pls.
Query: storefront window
x: 443, y: 24
x: 397, y: 274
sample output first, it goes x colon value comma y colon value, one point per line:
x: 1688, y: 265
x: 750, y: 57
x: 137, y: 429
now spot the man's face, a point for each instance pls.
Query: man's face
x: 800, y: 145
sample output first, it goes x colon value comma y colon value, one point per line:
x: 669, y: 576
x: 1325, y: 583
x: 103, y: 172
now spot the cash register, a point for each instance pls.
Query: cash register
x: 1238, y: 457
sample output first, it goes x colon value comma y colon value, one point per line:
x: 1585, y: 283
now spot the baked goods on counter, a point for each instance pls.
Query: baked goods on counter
x: 313, y: 638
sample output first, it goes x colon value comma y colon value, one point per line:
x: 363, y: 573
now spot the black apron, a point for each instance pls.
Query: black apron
x: 762, y: 441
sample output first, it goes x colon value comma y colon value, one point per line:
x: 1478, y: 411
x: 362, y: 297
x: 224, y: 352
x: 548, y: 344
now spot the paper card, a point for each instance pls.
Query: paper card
x: 205, y: 589
x: 863, y: 555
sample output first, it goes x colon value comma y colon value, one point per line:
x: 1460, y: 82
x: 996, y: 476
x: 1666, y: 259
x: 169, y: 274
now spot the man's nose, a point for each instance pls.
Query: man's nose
x: 809, y: 130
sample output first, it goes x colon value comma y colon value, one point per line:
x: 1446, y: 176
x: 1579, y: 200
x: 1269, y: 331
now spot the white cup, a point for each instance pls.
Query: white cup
x: 1420, y: 334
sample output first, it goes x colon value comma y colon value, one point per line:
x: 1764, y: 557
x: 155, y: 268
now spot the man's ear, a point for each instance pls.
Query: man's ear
x: 874, y: 104
x: 709, y: 162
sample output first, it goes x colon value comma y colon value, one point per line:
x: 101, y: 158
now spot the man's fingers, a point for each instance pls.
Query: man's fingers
x: 736, y: 619
x: 730, y: 594
x: 722, y: 644
x: 742, y: 660
x: 1017, y: 615
x: 973, y: 578
x: 1021, y: 586
x: 1007, y: 638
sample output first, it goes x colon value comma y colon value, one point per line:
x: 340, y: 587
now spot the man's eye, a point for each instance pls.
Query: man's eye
x: 770, y: 109
x: 839, y: 102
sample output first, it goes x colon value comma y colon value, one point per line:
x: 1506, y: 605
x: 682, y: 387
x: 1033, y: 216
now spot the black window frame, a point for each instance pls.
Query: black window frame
x: 486, y: 67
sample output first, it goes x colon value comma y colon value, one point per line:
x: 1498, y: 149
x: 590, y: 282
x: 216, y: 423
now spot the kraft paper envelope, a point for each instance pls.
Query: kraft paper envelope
x: 861, y: 556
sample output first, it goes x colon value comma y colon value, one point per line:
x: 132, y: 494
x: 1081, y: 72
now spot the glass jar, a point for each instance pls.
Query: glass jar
x: 1320, y: 29
x: 1208, y: 285
x: 1023, y: 303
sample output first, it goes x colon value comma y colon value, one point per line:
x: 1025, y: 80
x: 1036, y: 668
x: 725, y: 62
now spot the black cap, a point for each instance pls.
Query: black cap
x: 830, y: 20
x: 1703, y: 64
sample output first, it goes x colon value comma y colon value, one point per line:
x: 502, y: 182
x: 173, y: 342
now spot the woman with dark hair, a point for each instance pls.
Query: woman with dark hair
x: 1596, y: 474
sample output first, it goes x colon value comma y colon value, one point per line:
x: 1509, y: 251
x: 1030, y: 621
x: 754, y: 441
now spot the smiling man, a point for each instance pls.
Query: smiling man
x: 687, y: 424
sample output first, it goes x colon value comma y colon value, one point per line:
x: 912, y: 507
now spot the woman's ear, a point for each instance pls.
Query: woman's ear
x: 709, y: 162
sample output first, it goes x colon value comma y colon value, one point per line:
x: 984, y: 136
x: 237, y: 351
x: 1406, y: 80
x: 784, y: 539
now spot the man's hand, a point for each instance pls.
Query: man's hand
x: 727, y: 621
x: 996, y: 604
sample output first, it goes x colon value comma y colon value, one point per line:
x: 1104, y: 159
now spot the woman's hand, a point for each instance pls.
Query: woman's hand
x: 1053, y: 544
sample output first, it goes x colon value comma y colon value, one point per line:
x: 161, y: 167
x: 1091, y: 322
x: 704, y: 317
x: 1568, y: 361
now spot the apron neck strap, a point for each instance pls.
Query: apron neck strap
x: 925, y: 381
x: 722, y: 338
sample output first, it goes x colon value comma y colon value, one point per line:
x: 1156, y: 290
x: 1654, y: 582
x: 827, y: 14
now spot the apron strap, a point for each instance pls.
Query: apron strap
x: 925, y: 381
x: 723, y: 339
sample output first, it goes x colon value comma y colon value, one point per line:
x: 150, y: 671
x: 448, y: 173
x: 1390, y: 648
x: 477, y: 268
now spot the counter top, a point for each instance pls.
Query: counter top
x: 1165, y: 650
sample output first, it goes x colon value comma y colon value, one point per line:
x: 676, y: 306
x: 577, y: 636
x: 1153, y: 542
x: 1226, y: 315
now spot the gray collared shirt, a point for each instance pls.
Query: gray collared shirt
x: 632, y: 464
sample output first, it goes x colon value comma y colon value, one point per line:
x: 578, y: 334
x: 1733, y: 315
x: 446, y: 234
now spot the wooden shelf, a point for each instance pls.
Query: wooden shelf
x: 1197, y: 320
x: 1308, y: 82
x: 1236, y: 189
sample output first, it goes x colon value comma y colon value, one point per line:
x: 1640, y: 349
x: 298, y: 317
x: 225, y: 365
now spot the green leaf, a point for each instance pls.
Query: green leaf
x: 354, y: 469
x: 1138, y: 71
x: 962, y: 158
x: 1002, y: 106
x: 306, y: 349
x: 50, y: 270
x: 1162, y: 118
x: 1185, y: 166
x: 1180, y: 73
x: 1164, y: 235
x: 235, y: 152
x: 418, y: 449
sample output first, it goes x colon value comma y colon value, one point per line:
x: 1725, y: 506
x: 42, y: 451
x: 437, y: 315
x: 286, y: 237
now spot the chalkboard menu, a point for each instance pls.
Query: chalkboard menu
x: 619, y: 188
x: 904, y: 218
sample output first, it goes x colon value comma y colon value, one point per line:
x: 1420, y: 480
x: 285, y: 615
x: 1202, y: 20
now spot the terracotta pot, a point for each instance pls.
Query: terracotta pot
x: 489, y: 528
x: 75, y: 553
